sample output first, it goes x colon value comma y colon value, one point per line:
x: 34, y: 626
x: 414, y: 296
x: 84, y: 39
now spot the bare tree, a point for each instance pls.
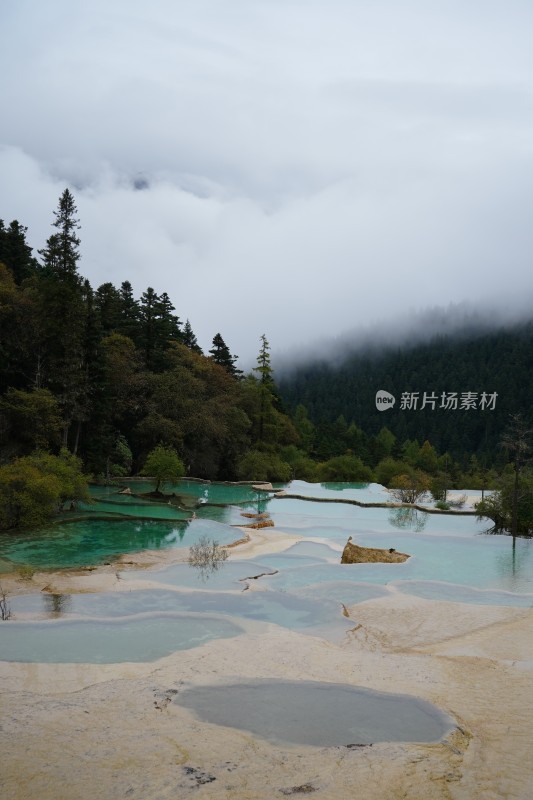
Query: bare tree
x: 206, y: 556
x: 5, y: 609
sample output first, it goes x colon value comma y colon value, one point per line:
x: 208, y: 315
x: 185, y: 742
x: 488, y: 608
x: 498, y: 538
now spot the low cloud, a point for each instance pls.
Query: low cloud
x: 295, y: 169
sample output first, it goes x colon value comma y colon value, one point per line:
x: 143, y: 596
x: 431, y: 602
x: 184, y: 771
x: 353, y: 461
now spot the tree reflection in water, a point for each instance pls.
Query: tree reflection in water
x: 57, y: 604
x: 206, y: 556
x: 408, y: 519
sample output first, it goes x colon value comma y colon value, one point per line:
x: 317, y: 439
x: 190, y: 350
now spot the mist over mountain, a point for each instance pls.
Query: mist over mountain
x: 289, y: 168
x: 455, y: 322
x: 452, y: 384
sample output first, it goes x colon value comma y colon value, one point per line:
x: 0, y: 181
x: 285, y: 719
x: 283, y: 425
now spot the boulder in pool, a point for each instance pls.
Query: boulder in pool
x: 354, y: 554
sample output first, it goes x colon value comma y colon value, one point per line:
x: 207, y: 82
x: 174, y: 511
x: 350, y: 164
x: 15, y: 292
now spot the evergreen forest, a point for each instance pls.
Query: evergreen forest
x: 95, y: 383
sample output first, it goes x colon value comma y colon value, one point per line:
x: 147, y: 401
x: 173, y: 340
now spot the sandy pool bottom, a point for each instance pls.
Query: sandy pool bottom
x: 78, y: 732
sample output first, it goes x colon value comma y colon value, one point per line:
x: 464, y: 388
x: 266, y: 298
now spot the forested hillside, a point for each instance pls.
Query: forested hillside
x: 99, y: 383
x: 108, y: 376
x: 496, y: 368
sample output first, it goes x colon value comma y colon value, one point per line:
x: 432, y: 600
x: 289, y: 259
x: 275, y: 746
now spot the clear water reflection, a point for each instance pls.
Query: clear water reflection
x: 444, y: 548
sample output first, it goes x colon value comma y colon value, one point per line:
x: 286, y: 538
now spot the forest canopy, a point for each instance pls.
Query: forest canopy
x: 107, y: 384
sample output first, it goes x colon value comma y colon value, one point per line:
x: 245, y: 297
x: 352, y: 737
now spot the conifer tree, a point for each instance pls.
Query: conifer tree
x: 189, y: 339
x: 220, y: 353
x: 148, y: 314
x: 266, y: 387
x: 61, y: 254
x: 168, y: 323
x: 15, y: 252
x: 129, y: 324
x: 61, y: 348
x: 107, y: 303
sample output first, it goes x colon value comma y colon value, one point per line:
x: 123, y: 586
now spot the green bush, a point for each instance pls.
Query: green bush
x: 345, y: 468
x: 409, y: 488
x: 163, y: 464
x: 259, y: 465
x: 388, y: 468
x: 499, y: 506
x: 303, y: 467
x: 34, y: 488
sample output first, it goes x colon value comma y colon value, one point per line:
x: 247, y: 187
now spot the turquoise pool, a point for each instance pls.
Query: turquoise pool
x: 302, y: 588
x: 94, y: 541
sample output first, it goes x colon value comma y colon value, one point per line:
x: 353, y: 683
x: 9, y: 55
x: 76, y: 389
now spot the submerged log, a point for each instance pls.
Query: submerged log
x: 354, y: 554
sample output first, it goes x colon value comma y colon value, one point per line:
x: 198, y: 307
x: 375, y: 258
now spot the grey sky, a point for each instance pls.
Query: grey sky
x: 310, y: 166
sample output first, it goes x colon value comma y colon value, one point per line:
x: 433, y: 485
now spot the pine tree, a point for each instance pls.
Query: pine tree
x: 15, y: 252
x: 220, y: 353
x: 148, y: 315
x: 62, y: 302
x: 168, y: 324
x: 266, y: 387
x: 159, y: 326
x: 61, y: 254
x: 107, y: 303
x: 189, y: 339
x: 264, y: 367
x: 129, y: 324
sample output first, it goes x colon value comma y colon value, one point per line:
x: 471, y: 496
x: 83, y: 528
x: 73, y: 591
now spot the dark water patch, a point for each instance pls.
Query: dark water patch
x: 319, y: 714
x: 109, y: 641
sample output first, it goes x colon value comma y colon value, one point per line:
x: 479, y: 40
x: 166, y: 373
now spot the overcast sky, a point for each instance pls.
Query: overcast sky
x: 288, y: 167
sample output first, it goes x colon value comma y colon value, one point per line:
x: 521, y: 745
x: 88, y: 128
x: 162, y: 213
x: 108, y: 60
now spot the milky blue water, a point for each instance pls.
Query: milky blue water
x: 109, y: 641
x: 291, y: 611
x: 303, y: 588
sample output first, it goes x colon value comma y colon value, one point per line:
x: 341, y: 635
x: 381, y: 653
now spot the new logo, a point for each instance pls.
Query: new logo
x: 384, y: 400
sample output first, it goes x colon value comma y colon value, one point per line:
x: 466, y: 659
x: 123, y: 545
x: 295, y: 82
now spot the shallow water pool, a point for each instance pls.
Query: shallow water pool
x: 109, y: 641
x: 309, y: 614
x: 318, y: 714
x: 94, y: 541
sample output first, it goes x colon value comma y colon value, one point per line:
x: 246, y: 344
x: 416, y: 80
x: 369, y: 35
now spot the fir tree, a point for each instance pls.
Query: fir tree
x: 61, y: 254
x: 62, y: 306
x: 15, y: 252
x: 129, y: 324
x: 107, y: 303
x: 189, y: 339
x: 220, y: 353
x: 266, y: 387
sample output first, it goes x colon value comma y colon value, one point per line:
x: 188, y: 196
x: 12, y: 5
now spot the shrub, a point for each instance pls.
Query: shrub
x: 345, y: 468
x: 259, y: 465
x: 26, y: 572
x: 33, y: 488
x: 388, y: 468
x: 163, y: 464
x: 409, y: 488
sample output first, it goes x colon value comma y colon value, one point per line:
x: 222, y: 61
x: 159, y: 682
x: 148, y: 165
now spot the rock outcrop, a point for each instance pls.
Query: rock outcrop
x: 354, y: 554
